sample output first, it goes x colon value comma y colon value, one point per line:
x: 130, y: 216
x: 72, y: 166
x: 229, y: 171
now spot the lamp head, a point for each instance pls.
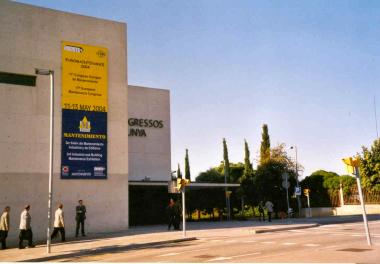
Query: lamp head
x: 43, y: 71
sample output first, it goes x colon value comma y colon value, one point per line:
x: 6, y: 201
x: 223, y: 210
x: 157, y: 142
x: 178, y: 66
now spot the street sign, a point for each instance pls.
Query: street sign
x: 297, y: 190
x: 285, y: 184
x: 285, y: 176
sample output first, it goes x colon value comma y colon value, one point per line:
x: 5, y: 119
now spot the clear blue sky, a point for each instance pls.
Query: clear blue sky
x: 309, y: 69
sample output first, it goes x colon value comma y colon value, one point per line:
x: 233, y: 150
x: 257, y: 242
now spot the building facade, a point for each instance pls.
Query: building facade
x: 33, y: 37
x: 149, y: 134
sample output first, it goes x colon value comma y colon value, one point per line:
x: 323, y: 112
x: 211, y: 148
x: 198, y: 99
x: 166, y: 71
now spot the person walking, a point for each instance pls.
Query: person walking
x: 261, y: 211
x: 25, y: 228
x: 269, y: 206
x: 59, y: 223
x: 80, y: 217
x: 170, y: 213
x: 4, y: 226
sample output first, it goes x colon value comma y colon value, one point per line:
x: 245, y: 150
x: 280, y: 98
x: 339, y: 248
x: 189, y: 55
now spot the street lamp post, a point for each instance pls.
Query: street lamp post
x: 51, y: 74
x: 297, y: 181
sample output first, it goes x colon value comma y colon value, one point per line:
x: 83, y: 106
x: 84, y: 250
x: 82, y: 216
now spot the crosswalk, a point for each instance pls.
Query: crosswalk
x: 261, y: 245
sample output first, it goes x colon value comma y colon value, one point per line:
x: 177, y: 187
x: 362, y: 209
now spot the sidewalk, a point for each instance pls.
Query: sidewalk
x: 143, y: 237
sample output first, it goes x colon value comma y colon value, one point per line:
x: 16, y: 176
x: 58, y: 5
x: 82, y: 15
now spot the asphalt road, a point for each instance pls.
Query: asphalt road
x: 342, y: 243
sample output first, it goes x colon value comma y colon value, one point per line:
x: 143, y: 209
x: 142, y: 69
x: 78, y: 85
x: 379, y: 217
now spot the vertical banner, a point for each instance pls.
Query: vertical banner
x: 84, y: 111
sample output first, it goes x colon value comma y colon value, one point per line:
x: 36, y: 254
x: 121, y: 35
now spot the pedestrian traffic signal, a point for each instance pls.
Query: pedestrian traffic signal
x: 306, y: 192
x: 181, y: 183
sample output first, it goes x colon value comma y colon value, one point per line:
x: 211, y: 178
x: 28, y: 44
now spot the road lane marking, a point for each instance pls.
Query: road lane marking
x: 311, y: 245
x: 329, y: 247
x: 250, y: 241
x: 169, y: 254
x: 245, y: 255
x: 216, y: 240
x: 289, y: 243
x: 218, y: 259
x: 267, y: 242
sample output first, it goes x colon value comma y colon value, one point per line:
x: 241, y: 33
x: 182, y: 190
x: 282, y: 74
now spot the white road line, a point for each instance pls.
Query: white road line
x: 245, y: 255
x: 169, y: 254
x: 329, y: 247
x: 218, y: 259
x: 311, y: 245
x: 267, y: 242
x: 250, y: 241
x: 288, y: 243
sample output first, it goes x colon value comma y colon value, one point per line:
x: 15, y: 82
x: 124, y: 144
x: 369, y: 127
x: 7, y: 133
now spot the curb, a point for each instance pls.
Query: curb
x: 269, y: 230
x: 149, y: 244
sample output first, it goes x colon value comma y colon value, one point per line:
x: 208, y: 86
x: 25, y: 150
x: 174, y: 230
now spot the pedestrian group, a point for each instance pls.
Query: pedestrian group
x: 269, y: 206
x: 26, y: 229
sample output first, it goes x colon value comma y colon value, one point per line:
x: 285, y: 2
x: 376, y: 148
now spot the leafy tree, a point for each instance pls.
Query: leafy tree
x: 236, y: 171
x: 226, y: 161
x: 370, y: 166
x: 265, y: 145
x: 268, y: 183
x: 187, y: 166
x: 323, y: 184
x: 268, y: 178
x: 211, y: 175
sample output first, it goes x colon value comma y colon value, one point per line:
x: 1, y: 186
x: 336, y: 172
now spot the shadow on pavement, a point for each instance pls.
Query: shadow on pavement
x: 106, y: 250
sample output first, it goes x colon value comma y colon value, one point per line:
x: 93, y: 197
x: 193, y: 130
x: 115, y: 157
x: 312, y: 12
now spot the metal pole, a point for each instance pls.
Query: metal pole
x: 287, y: 194
x: 183, y: 213
x: 308, y: 204
x: 298, y: 184
x: 51, y: 149
x: 374, y: 102
x: 357, y: 176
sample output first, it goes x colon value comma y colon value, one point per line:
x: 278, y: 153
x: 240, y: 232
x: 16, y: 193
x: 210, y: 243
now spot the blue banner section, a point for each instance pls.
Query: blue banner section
x: 84, y: 145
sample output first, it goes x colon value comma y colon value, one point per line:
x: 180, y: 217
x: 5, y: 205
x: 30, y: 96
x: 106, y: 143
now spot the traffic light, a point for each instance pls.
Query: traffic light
x: 181, y: 183
x: 351, y: 164
x: 306, y: 192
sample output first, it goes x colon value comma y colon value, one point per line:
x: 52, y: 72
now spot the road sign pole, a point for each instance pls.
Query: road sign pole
x: 308, y: 204
x: 357, y: 176
x: 183, y: 213
x: 287, y: 193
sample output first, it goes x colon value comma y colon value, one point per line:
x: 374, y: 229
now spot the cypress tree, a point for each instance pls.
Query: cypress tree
x: 187, y: 166
x: 179, y: 174
x: 247, y: 164
x: 226, y: 161
x: 265, y: 145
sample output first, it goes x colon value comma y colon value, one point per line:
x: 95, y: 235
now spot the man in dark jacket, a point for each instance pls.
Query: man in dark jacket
x: 80, y: 217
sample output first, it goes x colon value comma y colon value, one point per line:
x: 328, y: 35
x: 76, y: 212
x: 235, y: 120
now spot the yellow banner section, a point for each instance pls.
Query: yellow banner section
x: 84, y: 77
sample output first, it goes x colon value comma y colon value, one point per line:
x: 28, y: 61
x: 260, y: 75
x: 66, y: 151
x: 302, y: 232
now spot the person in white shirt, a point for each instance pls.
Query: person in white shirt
x: 25, y: 228
x: 269, y: 207
x: 4, y: 226
x: 59, y: 223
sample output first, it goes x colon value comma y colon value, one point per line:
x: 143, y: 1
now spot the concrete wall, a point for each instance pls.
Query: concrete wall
x: 31, y: 37
x: 149, y: 156
x: 342, y: 210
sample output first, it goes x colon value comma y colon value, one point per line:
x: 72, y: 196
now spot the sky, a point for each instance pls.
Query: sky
x: 307, y: 69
